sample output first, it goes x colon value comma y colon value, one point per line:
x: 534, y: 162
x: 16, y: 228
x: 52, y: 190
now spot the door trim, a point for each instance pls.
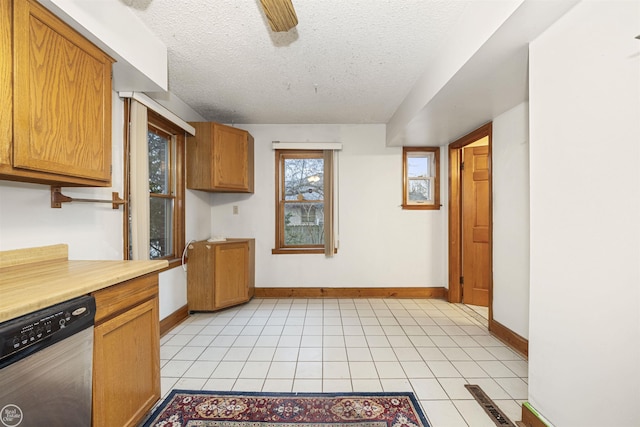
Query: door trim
x: 455, y: 215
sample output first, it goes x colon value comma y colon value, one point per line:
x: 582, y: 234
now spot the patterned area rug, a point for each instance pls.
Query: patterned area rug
x: 185, y: 408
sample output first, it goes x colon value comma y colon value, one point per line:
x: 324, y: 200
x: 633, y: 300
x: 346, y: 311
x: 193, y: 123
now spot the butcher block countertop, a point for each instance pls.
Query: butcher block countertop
x: 35, y: 278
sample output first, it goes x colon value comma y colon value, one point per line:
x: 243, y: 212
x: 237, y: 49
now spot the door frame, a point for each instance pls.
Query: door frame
x: 455, y: 214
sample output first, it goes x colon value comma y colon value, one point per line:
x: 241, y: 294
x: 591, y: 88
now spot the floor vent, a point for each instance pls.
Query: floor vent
x: 496, y: 415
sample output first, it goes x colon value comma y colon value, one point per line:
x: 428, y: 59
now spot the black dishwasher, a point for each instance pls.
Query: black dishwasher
x: 46, y: 362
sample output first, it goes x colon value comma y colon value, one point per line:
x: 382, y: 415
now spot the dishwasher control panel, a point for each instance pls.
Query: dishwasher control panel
x: 45, y: 324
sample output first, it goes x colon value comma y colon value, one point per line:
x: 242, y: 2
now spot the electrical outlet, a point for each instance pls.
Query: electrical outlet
x: 235, y: 210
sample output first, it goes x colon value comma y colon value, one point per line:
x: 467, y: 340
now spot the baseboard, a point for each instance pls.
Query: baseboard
x: 173, y: 320
x: 514, y: 340
x: 530, y: 418
x: 435, y: 292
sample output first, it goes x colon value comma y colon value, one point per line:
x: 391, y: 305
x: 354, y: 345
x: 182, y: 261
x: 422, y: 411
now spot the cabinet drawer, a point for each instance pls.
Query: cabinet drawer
x: 118, y: 298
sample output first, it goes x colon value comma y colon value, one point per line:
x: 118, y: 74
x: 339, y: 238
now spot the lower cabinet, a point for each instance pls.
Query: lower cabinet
x: 126, y: 361
x: 220, y: 274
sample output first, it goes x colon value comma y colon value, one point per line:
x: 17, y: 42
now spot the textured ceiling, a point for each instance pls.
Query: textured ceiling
x: 347, y: 61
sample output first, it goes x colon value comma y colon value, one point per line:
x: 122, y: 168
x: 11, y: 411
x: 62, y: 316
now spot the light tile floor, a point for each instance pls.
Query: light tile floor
x: 426, y: 346
x: 482, y: 311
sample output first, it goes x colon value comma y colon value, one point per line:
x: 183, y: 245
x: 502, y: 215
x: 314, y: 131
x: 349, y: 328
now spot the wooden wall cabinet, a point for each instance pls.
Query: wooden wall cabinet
x: 55, y: 86
x: 126, y: 361
x: 220, y: 158
x: 220, y: 274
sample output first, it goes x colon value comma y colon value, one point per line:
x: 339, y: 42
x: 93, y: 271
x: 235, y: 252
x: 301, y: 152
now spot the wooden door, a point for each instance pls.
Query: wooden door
x: 231, y: 274
x: 476, y: 244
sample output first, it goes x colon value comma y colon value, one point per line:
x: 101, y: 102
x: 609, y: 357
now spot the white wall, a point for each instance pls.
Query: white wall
x: 92, y: 231
x: 380, y: 244
x: 510, y: 168
x: 584, y: 335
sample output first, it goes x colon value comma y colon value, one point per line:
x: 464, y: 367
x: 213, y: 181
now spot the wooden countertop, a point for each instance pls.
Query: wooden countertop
x: 35, y: 278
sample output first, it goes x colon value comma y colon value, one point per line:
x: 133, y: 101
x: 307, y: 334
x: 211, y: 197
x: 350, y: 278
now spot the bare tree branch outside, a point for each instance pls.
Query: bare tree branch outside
x: 304, y: 201
x: 161, y: 200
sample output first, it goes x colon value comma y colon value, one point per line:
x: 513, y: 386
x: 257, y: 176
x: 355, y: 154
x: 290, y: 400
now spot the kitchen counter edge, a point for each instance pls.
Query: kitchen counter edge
x: 33, y: 286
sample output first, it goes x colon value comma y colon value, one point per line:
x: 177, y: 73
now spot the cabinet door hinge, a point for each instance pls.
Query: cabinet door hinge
x: 462, y: 166
x: 462, y: 280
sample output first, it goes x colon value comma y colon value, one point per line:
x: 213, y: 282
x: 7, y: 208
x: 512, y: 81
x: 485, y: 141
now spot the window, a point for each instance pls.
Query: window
x: 161, y: 193
x: 420, y: 183
x: 304, y: 200
x: 164, y: 188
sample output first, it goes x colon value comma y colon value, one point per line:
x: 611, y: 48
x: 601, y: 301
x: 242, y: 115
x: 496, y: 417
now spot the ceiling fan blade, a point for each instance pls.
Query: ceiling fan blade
x: 280, y: 14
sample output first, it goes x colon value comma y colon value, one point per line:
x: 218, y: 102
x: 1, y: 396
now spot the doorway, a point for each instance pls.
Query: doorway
x: 470, y: 224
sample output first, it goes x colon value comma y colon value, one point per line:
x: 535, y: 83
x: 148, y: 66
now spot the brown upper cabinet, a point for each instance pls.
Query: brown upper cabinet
x: 55, y: 89
x: 220, y: 158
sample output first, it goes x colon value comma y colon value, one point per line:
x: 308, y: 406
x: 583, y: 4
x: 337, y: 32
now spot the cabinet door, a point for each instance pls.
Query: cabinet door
x: 200, y: 288
x: 231, y: 274
x: 62, y: 98
x: 231, y: 158
x: 126, y: 366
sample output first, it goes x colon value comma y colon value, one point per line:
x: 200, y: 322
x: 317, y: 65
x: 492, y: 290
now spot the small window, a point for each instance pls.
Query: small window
x: 420, y: 172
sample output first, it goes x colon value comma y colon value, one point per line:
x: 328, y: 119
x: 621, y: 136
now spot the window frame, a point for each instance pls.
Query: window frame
x: 178, y: 184
x: 168, y: 195
x: 435, y: 177
x: 280, y: 203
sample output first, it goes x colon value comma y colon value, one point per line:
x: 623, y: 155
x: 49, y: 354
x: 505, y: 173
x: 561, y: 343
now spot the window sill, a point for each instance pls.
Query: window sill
x: 422, y: 207
x: 173, y: 263
x: 299, y: 251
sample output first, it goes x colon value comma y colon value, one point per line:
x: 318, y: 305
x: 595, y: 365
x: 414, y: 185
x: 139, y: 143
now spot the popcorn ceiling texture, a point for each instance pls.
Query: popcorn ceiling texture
x: 347, y: 61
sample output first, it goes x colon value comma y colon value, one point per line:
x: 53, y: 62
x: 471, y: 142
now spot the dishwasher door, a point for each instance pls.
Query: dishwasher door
x: 48, y: 381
